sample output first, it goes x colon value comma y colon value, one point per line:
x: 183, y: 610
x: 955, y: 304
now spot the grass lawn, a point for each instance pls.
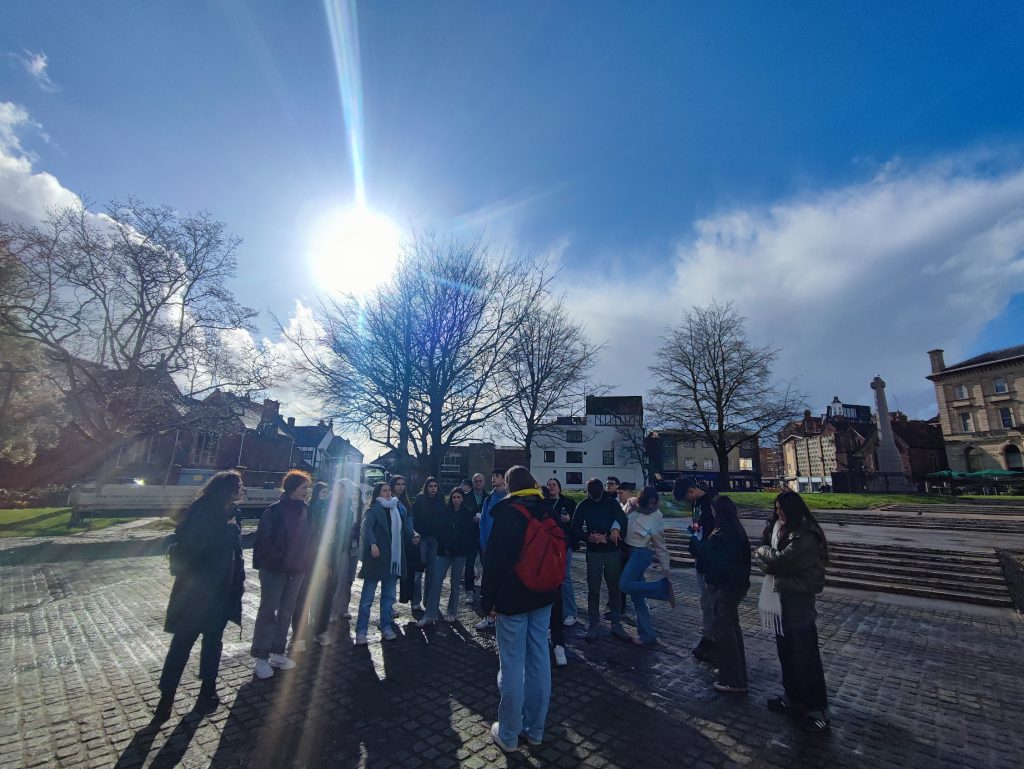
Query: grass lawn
x: 47, y: 522
x: 765, y: 499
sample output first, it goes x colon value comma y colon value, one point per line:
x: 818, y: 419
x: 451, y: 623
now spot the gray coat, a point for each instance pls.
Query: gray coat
x: 376, y: 530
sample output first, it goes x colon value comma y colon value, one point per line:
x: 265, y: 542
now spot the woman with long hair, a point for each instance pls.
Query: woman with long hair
x: 309, y: 602
x: 455, y: 531
x: 283, y: 552
x: 645, y: 535
x: 563, y: 508
x: 793, y: 556
x: 386, y: 536
x: 348, y: 505
x: 724, y: 555
x: 209, y: 579
x: 410, y: 588
x: 426, y: 510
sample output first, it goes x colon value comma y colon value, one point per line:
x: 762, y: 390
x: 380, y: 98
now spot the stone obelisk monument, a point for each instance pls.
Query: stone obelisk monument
x: 890, y: 468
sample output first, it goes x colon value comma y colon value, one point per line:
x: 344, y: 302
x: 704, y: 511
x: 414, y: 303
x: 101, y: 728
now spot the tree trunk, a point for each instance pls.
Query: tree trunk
x: 528, y: 447
x: 723, y: 471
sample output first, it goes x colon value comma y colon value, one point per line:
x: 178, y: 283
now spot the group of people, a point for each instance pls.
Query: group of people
x: 312, y: 544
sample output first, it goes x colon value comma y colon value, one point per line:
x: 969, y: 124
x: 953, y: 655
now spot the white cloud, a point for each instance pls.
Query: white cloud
x: 35, y: 64
x: 25, y: 194
x: 849, y: 282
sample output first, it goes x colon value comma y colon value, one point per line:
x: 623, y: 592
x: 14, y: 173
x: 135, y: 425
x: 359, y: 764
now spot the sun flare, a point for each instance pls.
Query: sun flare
x: 353, y: 250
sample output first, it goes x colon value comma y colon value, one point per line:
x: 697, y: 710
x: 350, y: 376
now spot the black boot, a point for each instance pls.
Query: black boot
x: 163, y: 708
x: 208, y: 699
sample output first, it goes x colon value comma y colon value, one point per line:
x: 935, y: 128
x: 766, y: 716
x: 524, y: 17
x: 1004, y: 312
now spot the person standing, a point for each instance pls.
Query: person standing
x: 209, y: 579
x: 410, y: 588
x: 455, y: 531
x: 474, y: 501
x: 426, y: 509
x: 599, y: 521
x: 522, y: 616
x: 623, y: 492
x: 348, y: 522
x: 793, y: 556
x: 386, y: 539
x: 498, y: 493
x: 701, y: 501
x: 283, y: 553
x: 645, y: 536
x: 564, y: 508
x: 311, y: 596
x: 724, y: 555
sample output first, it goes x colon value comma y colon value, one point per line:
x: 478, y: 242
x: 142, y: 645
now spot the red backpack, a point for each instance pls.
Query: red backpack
x: 541, y: 565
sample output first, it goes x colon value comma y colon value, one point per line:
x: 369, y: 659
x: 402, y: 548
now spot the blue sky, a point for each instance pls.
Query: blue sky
x: 850, y: 174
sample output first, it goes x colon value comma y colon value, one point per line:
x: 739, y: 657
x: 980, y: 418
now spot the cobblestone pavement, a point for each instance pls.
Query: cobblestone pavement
x: 81, y: 646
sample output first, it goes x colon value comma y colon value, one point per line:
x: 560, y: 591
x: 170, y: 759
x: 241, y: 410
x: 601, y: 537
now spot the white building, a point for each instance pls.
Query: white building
x: 608, y: 441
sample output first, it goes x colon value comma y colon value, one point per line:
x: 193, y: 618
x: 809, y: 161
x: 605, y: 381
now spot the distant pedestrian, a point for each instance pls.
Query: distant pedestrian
x: 283, y: 553
x: 209, y: 579
x: 724, y: 556
x: 321, y: 577
x: 701, y: 501
x: 645, y: 536
x: 386, y: 540
x: 793, y: 556
x: 599, y: 521
x: 426, y: 509
x: 348, y: 505
x: 455, y: 531
x: 498, y: 493
x: 522, y: 612
x: 564, y: 508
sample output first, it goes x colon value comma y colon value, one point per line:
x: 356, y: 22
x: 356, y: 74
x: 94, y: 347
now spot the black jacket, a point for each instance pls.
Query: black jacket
x: 565, y: 506
x: 425, y: 512
x: 501, y: 589
x: 799, y: 563
x: 597, y: 518
x: 724, y: 558
x: 703, y: 514
x: 456, y: 531
x: 208, y: 589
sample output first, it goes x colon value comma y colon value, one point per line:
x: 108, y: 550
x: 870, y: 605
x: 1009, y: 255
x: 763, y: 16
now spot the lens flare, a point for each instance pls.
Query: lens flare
x: 343, y: 26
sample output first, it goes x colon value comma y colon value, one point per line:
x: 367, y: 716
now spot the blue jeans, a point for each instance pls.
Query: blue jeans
x: 388, y: 586
x: 568, y: 589
x: 525, y: 674
x: 442, y: 564
x: 640, y: 590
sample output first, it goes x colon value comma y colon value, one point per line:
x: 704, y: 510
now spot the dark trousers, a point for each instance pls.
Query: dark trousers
x: 803, y: 675
x: 313, y: 604
x: 470, y: 577
x: 181, y: 650
x: 603, y: 565
x: 732, y: 658
x: 625, y: 551
x: 556, y: 627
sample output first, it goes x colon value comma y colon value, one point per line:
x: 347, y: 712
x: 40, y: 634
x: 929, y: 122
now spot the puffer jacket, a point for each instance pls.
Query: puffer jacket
x: 798, y: 564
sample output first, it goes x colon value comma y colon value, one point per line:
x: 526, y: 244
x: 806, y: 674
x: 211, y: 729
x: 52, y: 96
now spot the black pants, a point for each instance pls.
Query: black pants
x: 556, y: 627
x: 626, y: 551
x: 181, y: 650
x: 803, y: 676
x: 470, y: 576
x: 732, y: 658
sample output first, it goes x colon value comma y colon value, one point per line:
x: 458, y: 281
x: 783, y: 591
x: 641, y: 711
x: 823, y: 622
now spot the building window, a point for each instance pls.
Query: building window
x: 574, y: 436
x: 746, y: 464
x: 689, y: 444
x: 709, y: 464
x: 966, y: 424
x: 204, y: 450
x: 608, y: 457
x: 1006, y: 417
x: 574, y: 457
x: 960, y: 392
x: 451, y: 464
x: 549, y: 457
x: 706, y: 444
x: 574, y: 479
x: 689, y: 464
x: 999, y: 386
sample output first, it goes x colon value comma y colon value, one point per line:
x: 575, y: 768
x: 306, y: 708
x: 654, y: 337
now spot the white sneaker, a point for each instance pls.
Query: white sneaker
x: 570, y: 620
x: 560, y: 659
x: 388, y: 634
x: 324, y: 639
x: 263, y: 669
x: 361, y: 640
x: 299, y: 647
x: 450, y: 618
x: 281, y: 661
x: 484, y: 624
x: 497, y: 740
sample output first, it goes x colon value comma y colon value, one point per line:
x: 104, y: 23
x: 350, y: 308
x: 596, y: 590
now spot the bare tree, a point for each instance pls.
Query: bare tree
x: 631, y: 447
x: 547, y: 373
x: 714, y: 384
x: 128, y: 311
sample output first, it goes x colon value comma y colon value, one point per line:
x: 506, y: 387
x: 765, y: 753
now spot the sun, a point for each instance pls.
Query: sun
x: 353, y: 250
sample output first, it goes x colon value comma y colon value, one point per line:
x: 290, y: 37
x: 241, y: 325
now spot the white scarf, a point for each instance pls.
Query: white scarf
x: 769, y: 604
x: 396, y: 533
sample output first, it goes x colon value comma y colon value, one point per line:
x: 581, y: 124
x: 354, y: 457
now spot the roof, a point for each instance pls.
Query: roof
x: 919, y: 435
x: 309, y: 435
x: 996, y: 356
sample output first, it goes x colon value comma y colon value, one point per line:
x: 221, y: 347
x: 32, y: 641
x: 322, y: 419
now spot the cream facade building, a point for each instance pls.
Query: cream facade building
x: 981, y: 409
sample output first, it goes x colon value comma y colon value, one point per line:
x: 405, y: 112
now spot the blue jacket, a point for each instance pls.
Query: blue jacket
x: 486, y: 519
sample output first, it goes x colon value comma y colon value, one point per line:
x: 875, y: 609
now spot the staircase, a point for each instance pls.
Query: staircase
x: 1010, y: 522
x: 969, y: 577
x: 1008, y: 507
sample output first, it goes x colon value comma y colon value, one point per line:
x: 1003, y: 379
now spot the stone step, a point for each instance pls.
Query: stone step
x: 965, y: 582
x: 1002, y: 601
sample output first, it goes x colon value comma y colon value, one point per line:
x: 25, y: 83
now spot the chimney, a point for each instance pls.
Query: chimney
x: 938, y: 362
x: 291, y: 422
x: 271, y: 410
